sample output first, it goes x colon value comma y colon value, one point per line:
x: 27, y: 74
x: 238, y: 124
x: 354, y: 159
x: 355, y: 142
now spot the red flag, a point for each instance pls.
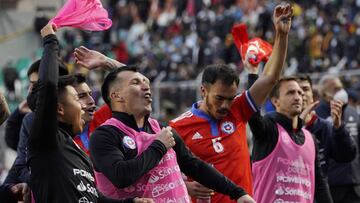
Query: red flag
x: 258, y: 49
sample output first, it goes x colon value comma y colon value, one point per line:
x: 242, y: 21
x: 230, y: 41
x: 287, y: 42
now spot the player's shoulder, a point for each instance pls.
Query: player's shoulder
x: 183, y: 118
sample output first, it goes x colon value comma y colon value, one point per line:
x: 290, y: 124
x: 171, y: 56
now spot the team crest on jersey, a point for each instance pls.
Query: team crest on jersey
x: 129, y: 142
x: 227, y: 127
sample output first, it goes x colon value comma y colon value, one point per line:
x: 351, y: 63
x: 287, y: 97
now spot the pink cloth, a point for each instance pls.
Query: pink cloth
x: 83, y: 14
x: 288, y: 173
x: 163, y: 183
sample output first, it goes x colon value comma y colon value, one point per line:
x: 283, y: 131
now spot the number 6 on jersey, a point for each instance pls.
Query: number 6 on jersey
x: 218, y: 147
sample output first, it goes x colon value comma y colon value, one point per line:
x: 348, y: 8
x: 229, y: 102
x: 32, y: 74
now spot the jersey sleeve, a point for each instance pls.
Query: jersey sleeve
x: 243, y: 107
x: 100, y: 116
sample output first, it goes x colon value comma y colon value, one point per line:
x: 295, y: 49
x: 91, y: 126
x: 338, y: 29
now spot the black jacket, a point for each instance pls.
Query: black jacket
x: 123, y: 167
x: 60, y: 171
x: 265, y: 136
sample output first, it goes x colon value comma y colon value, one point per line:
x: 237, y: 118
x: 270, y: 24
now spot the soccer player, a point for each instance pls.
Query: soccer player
x: 214, y: 129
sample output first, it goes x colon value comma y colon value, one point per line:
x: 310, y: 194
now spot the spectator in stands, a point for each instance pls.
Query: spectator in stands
x: 344, y: 178
x: 334, y: 141
x: 11, y: 193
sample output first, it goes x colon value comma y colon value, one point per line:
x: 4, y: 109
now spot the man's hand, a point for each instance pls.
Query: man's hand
x: 309, y: 112
x: 21, y: 192
x: 336, y: 112
x: 246, y: 199
x: 92, y: 59
x: 166, y: 137
x: 282, y: 18
x: 143, y: 200
x: 249, y: 67
x: 197, y: 190
x: 24, y: 107
x: 89, y: 59
x: 48, y: 30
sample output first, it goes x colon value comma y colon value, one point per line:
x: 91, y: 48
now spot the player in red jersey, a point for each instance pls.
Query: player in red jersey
x: 214, y: 128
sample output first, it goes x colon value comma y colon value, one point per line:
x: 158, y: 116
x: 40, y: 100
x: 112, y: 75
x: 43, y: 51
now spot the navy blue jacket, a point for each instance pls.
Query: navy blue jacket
x: 12, y: 128
x: 333, y: 143
x: 343, y: 173
x: 19, y: 172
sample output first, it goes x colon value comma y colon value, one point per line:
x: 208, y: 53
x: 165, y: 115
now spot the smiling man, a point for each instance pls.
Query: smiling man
x: 86, y: 99
x: 286, y: 152
x: 60, y: 171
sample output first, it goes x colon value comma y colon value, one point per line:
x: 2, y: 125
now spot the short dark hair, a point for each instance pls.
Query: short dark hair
x: 64, y: 81
x: 79, y: 78
x: 109, y: 80
x: 222, y: 72
x: 34, y: 68
x: 275, y: 91
x: 303, y: 77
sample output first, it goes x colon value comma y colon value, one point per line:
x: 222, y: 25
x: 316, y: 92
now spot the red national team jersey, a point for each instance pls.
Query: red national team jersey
x: 100, y: 116
x: 221, y: 142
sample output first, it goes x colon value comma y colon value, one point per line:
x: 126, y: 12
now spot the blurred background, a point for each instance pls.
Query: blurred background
x: 173, y: 40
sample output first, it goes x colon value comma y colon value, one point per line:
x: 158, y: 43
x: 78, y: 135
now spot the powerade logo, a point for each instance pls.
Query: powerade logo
x: 83, y: 173
x: 293, y: 179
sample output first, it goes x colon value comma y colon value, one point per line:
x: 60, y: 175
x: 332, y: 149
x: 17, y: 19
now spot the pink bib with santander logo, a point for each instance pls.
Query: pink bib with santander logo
x: 163, y: 183
x: 287, y: 174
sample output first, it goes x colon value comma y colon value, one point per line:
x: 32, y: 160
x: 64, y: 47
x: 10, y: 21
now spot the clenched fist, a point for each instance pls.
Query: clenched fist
x: 166, y: 137
x: 48, y: 29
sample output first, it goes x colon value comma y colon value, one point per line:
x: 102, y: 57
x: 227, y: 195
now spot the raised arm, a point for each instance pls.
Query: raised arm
x: 273, y: 68
x: 342, y: 146
x: 92, y: 59
x: 44, y: 128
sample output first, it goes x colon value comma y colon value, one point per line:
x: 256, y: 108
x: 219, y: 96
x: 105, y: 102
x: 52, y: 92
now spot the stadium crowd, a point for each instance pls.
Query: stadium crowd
x: 308, y: 146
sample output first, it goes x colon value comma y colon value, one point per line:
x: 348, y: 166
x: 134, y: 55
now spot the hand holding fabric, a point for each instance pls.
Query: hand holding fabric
x: 83, y: 14
x: 253, y: 51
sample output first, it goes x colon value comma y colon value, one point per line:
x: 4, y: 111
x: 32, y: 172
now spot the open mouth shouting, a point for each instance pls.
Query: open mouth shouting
x: 147, y: 97
x: 91, y: 110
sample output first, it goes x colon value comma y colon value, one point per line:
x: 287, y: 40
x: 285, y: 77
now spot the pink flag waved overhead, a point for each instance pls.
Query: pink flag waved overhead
x: 83, y: 14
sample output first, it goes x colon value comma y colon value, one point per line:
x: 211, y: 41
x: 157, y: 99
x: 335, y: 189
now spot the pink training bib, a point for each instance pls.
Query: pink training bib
x: 163, y: 183
x: 83, y: 14
x: 288, y: 173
